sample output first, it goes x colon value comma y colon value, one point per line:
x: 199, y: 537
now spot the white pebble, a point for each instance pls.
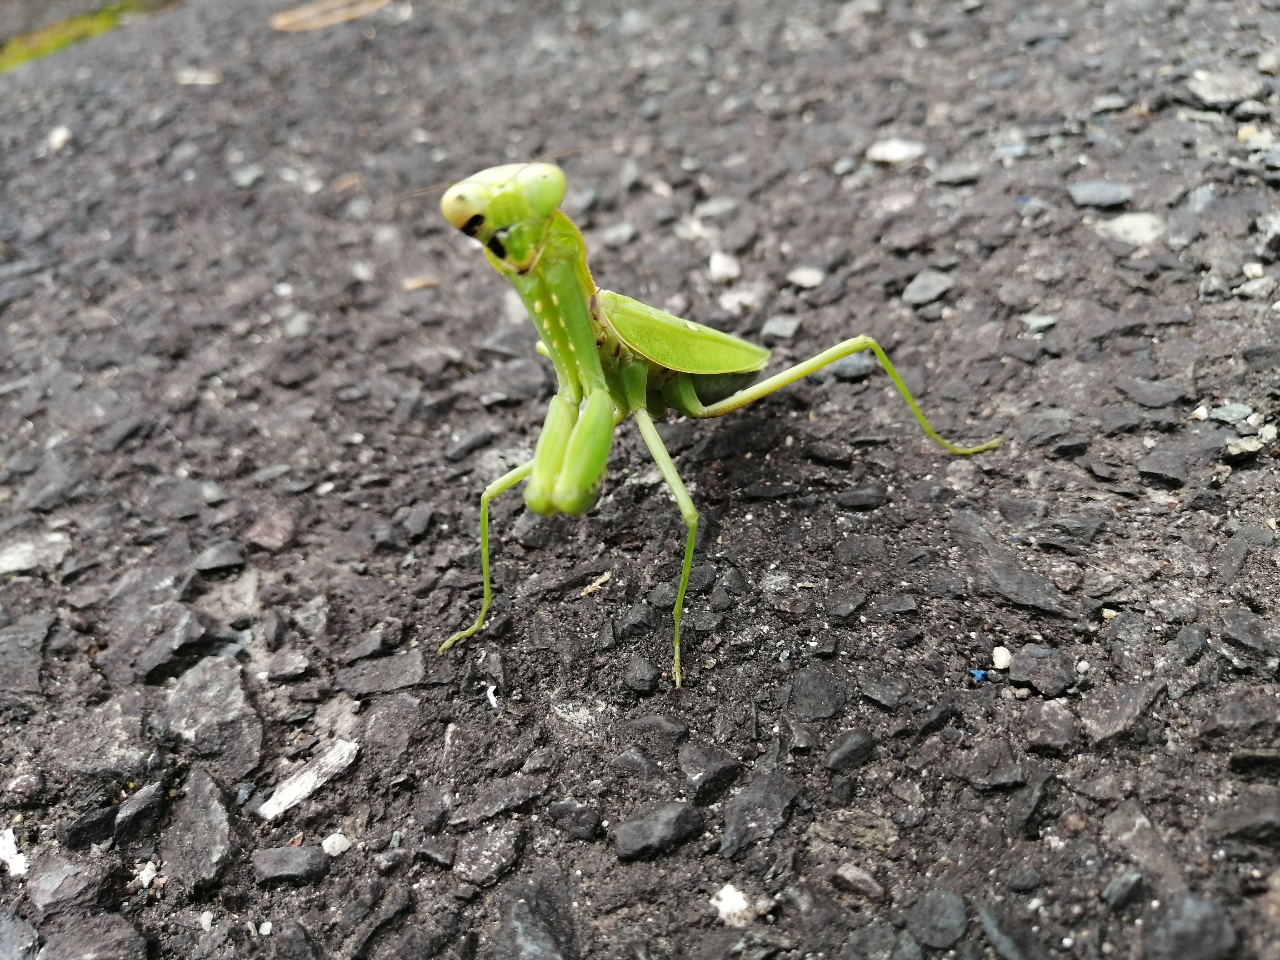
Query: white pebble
x: 723, y: 268
x: 1001, y: 658
x: 806, y: 277
x: 265, y: 929
x: 732, y: 906
x: 335, y: 845
x: 59, y: 137
x: 1082, y: 667
x: 206, y: 920
x: 895, y: 150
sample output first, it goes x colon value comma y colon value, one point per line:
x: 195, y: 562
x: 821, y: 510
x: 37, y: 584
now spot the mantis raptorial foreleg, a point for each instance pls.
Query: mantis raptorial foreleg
x: 499, y: 486
x: 681, y: 395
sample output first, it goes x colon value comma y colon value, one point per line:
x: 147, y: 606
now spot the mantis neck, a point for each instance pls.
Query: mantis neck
x: 556, y: 292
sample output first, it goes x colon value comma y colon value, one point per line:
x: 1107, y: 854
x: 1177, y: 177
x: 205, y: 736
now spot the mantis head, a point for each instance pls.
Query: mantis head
x: 506, y: 209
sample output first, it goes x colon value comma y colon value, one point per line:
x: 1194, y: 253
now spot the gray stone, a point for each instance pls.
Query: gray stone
x: 105, y: 936
x: 927, y: 286
x: 106, y: 741
x: 1128, y: 828
x: 1050, y: 728
x: 1253, y: 817
x: 709, y: 769
x: 1111, y: 711
x: 21, y: 653
x: 855, y: 367
x: 959, y: 173
x: 656, y: 828
x: 227, y: 555
x: 1195, y: 928
x: 137, y: 814
x: 57, y: 885
x: 938, y: 919
x: 661, y: 732
x: 758, y: 811
x: 814, y: 694
x: 389, y: 725
x: 287, y: 664
x: 1007, y: 576
x: 1164, y: 468
x: 1049, y: 671
x: 1099, y: 193
x: 883, y: 689
x: 1224, y: 89
x: 1151, y: 393
x: 497, y: 797
x: 537, y: 920
x: 207, y: 709
x: 293, y: 864
x: 197, y: 845
x: 383, y: 674
x: 1250, y: 632
x: 1011, y: 938
x: 18, y: 939
x: 1122, y: 888
x: 486, y: 854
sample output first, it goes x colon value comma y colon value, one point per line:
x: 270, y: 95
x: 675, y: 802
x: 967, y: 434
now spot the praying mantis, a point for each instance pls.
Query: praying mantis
x: 613, y: 357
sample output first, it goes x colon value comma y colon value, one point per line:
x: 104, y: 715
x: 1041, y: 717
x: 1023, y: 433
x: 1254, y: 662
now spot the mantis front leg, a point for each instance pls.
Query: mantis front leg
x: 499, y: 486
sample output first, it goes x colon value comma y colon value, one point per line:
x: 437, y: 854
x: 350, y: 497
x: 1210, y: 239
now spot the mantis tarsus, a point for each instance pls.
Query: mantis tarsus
x: 613, y: 356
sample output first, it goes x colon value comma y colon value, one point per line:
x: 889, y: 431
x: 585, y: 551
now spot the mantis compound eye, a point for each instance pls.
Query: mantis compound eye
x: 543, y: 185
x: 462, y: 210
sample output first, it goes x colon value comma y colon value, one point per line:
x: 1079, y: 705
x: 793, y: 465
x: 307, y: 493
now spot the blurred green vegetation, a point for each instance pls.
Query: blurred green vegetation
x: 50, y: 39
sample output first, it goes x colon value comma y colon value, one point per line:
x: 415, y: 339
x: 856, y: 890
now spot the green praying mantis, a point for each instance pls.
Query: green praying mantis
x: 613, y: 357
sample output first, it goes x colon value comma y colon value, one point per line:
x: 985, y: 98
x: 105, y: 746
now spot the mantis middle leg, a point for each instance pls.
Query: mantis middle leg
x: 680, y: 393
x: 499, y: 486
x: 635, y: 377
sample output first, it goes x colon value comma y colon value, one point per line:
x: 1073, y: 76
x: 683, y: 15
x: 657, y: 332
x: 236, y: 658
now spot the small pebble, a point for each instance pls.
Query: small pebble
x: 335, y: 845
x: 1001, y: 658
x: 1138, y: 229
x: 806, y: 277
x: 723, y: 268
x: 895, y: 151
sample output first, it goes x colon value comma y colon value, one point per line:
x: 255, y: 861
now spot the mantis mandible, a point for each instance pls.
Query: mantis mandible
x: 613, y: 357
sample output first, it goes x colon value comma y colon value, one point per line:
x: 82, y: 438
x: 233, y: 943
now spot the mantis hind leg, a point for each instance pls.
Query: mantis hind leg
x: 680, y: 392
x: 499, y: 486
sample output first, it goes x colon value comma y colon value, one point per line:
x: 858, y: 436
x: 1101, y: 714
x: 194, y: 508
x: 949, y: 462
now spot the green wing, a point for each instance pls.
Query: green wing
x: 677, y: 344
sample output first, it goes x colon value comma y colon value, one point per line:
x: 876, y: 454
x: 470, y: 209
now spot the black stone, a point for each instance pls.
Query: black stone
x: 635, y: 763
x: 575, y: 818
x: 537, y: 920
x: 1253, y: 817
x: 814, y: 694
x: 94, y: 826
x: 842, y: 606
x: 709, y: 769
x: 1028, y: 880
x: 1250, y: 632
x: 655, y: 829
x: 854, y: 749
x: 293, y: 864
x: 867, y: 497
x: 21, y: 653
x: 641, y: 675
x: 639, y: 620
x: 757, y: 812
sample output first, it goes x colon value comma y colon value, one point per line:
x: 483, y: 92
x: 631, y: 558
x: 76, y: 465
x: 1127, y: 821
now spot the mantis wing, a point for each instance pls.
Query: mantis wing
x: 680, y: 345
